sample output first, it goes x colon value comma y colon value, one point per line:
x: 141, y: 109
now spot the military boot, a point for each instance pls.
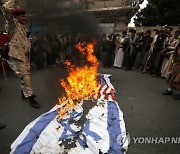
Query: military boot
x: 33, y: 102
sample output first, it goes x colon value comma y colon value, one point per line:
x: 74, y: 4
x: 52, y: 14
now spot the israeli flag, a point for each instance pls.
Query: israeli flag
x: 103, y: 130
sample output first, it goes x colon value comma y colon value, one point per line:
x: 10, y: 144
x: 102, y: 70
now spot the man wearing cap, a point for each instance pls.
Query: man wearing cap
x: 19, y: 47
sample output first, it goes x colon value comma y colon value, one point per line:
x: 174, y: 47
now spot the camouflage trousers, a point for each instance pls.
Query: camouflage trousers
x: 22, y: 69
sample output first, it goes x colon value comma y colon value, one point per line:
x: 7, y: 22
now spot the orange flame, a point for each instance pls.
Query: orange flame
x: 81, y: 83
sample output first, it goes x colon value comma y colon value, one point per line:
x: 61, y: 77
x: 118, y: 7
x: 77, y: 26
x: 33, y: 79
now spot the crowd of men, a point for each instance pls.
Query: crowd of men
x: 157, y: 55
x: 52, y: 50
x: 152, y: 54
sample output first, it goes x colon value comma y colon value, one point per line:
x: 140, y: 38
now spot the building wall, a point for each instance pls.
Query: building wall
x: 108, y: 3
x: 107, y: 28
x: 119, y: 17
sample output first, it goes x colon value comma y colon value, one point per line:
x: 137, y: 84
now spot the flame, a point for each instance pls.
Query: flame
x: 81, y: 83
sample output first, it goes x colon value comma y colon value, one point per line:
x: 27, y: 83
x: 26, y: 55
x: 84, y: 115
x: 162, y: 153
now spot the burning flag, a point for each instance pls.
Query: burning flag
x: 62, y: 129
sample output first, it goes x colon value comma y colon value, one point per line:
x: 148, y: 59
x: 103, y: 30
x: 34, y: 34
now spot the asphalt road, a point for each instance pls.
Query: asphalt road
x: 147, y: 113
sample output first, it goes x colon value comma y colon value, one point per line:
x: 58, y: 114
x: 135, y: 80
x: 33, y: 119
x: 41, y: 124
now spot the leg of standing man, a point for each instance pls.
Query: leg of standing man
x: 22, y: 69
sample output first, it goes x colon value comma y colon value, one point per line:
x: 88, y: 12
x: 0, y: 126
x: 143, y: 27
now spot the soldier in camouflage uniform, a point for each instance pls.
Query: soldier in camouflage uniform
x: 19, y: 47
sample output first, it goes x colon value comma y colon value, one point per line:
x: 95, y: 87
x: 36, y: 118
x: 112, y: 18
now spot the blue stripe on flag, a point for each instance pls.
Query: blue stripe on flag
x: 26, y: 145
x: 87, y: 132
x: 68, y: 131
x: 113, y: 128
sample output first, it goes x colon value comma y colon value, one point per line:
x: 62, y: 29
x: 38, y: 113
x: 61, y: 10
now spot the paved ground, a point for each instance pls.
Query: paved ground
x: 146, y: 112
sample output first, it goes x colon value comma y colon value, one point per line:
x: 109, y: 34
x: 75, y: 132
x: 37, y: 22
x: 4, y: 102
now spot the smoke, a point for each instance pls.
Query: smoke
x: 63, y: 16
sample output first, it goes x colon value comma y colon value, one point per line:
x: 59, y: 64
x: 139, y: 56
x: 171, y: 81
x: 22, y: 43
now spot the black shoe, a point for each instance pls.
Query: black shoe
x: 24, y: 98
x: 33, y: 102
x: 2, y: 125
x: 167, y: 92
